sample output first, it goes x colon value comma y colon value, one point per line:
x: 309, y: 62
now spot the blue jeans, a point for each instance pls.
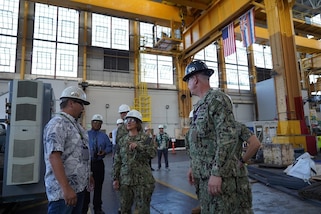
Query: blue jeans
x: 161, y: 152
x: 60, y: 207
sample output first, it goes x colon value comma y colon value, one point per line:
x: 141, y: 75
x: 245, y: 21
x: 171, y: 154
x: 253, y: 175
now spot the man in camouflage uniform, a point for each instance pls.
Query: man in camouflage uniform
x: 131, y: 171
x: 212, y: 138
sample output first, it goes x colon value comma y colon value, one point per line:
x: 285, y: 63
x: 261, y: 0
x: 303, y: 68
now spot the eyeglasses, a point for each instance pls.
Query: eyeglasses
x: 79, y: 102
x: 97, y: 121
x: 130, y: 120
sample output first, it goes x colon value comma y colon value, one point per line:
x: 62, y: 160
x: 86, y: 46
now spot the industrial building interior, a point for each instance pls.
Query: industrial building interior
x: 135, y: 52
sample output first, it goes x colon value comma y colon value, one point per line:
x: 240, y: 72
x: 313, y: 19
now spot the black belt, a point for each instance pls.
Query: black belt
x: 95, y: 161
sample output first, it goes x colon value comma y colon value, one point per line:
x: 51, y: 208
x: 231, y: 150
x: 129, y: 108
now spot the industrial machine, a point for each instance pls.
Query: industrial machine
x: 264, y: 130
x: 22, y: 169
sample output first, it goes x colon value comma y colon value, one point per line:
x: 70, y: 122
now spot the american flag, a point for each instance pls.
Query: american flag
x: 229, y: 44
x: 247, y: 28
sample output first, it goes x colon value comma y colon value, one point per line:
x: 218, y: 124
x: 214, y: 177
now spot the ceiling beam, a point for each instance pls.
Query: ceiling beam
x: 140, y: 10
x: 189, y: 3
x: 213, y: 20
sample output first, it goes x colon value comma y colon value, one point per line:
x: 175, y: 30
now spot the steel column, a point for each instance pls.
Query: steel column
x: 282, y: 41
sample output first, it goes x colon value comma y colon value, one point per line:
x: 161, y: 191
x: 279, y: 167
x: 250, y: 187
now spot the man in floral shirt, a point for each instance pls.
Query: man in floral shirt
x: 66, y: 155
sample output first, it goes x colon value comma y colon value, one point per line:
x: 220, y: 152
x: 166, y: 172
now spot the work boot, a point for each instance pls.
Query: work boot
x: 196, y: 210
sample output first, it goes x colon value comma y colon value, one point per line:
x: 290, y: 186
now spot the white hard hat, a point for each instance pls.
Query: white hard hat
x: 190, y: 114
x: 123, y: 108
x: 119, y: 121
x: 74, y: 92
x: 160, y: 126
x: 97, y: 117
x: 135, y: 114
x: 146, y: 128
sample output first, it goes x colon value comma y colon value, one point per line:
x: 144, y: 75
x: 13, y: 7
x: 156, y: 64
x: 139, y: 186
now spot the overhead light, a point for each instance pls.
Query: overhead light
x: 310, y: 36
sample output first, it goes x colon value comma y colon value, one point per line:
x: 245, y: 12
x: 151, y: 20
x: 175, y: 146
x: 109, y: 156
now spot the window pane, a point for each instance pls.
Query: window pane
x: 68, y: 22
x: 67, y: 60
x: 244, y: 80
x: 43, y: 58
x: 241, y: 53
x: 262, y: 56
x: 258, y: 56
x: 165, y: 69
x: 200, y: 55
x: 231, y: 76
x: 45, y: 22
x: 209, y: 56
x: 268, y: 57
x: 162, y: 31
x: 101, y: 30
x: 146, y: 34
x: 9, y: 10
x: 148, y: 67
x: 210, y: 53
x: 214, y: 81
x: 120, y: 29
x: 7, y: 53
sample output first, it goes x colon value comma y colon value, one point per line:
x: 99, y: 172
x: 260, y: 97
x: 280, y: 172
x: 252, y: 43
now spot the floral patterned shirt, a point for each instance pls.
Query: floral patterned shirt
x: 63, y: 133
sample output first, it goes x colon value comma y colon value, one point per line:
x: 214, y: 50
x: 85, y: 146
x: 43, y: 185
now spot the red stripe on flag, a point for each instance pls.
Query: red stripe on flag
x: 229, y: 44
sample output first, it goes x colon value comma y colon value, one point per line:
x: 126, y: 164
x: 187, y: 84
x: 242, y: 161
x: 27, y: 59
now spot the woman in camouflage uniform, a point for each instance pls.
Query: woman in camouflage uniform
x: 131, y: 171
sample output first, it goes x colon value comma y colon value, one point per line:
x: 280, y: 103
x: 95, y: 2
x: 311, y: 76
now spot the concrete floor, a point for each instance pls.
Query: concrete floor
x: 174, y: 195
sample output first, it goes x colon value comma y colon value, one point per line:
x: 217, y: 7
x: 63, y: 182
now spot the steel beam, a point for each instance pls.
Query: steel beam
x: 213, y: 20
x: 137, y: 9
x: 282, y: 42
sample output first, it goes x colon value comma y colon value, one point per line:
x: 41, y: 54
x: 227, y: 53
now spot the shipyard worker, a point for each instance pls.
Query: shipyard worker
x: 66, y: 155
x: 121, y: 130
x: 162, y: 141
x: 119, y: 122
x: 148, y: 131
x: 100, y: 146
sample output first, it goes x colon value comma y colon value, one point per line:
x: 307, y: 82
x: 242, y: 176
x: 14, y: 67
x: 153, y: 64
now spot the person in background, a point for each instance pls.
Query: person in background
x: 121, y: 130
x: 119, y: 122
x: 66, y: 155
x: 213, y: 140
x: 131, y: 171
x: 162, y: 140
x: 100, y: 145
x: 148, y: 131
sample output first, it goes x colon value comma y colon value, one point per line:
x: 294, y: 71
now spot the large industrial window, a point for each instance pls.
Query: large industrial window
x: 9, y: 11
x: 237, y: 74
x: 209, y: 56
x: 156, y: 69
x: 150, y: 34
x: 110, y: 32
x: 55, y: 45
x: 262, y: 56
x: 146, y: 35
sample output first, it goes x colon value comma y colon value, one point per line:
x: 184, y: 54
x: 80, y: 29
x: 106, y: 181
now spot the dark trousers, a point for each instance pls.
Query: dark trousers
x: 161, y: 152
x: 98, y: 169
x: 61, y: 207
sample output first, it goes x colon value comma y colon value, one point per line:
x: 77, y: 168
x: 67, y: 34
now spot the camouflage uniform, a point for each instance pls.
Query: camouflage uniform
x: 211, y: 141
x: 132, y: 170
x: 121, y: 131
x: 243, y: 184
